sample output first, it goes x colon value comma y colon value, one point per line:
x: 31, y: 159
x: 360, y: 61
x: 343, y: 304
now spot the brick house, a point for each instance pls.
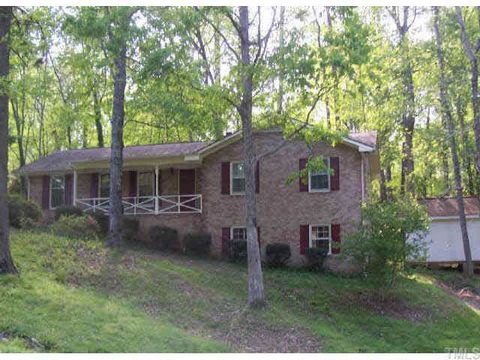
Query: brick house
x: 198, y: 187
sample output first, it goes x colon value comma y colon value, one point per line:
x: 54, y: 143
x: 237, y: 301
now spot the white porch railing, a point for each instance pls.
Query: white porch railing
x: 163, y: 204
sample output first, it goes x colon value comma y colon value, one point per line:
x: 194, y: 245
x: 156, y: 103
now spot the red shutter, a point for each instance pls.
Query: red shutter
x: 335, y: 176
x: 304, y: 229
x: 132, y: 184
x: 257, y: 177
x: 336, y: 240
x: 303, y: 181
x: 94, y: 186
x: 225, y: 240
x: 225, y: 178
x: 258, y: 236
x: 45, y: 192
x: 68, y: 189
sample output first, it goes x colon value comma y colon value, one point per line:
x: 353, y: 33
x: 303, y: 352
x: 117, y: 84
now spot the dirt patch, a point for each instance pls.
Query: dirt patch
x: 30, y: 343
x: 391, y: 307
x: 467, y: 294
x: 249, y: 334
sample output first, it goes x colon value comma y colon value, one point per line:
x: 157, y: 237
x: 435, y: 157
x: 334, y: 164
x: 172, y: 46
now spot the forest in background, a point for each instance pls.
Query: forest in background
x: 341, y: 68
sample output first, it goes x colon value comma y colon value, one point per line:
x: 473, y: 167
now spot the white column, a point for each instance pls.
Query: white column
x: 156, y: 189
x: 362, y: 176
x: 74, y: 187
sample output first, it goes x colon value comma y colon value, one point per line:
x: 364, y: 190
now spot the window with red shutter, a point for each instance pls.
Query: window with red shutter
x: 225, y: 178
x: 304, y: 238
x: 335, y: 175
x: 336, y: 239
x: 45, y: 192
x: 68, y: 189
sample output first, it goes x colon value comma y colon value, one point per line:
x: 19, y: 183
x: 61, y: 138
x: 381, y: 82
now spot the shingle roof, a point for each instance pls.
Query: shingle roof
x: 61, y: 160
x: 448, y: 206
x: 367, y: 137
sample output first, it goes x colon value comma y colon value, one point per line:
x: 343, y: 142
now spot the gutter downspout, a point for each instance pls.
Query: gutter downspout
x: 362, y: 176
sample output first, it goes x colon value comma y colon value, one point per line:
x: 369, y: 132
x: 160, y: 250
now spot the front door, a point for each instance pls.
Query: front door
x: 186, y: 186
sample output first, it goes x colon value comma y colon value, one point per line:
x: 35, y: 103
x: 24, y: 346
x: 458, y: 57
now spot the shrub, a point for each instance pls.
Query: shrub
x: 163, y: 237
x: 67, y: 210
x: 102, y: 220
x: 277, y: 254
x: 238, y: 250
x: 316, y: 257
x: 20, y: 209
x: 81, y: 227
x: 390, y: 234
x: 130, y: 227
x: 197, y: 244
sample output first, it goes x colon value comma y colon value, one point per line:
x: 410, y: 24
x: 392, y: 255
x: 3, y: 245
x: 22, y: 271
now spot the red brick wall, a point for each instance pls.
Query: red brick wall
x: 281, y: 208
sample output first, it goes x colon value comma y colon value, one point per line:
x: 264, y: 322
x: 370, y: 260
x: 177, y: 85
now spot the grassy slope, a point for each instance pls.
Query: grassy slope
x: 77, y: 296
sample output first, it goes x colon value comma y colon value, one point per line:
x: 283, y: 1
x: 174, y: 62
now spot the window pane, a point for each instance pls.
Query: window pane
x: 237, y: 170
x: 238, y: 185
x: 239, y: 234
x: 57, y: 191
x: 320, y: 244
x: 320, y: 232
x: 319, y: 182
x: 105, y: 185
x: 145, y: 184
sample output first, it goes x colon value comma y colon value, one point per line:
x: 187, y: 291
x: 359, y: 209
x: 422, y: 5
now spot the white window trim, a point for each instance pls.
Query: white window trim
x: 231, y: 178
x: 50, y: 191
x: 236, y: 227
x: 138, y: 181
x: 329, y: 236
x: 328, y: 177
x: 100, y: 184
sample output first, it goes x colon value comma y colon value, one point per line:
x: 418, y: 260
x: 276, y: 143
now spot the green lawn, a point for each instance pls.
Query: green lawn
x: 77, y: 296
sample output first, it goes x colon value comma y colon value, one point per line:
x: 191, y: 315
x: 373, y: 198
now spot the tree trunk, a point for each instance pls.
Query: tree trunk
x: 116, y: 160
x: 453, y: 147
x: 474, y: 83
x: 281, y: 43
x: 98, y: 117
x: 256, y: 292
x: 6, y: 260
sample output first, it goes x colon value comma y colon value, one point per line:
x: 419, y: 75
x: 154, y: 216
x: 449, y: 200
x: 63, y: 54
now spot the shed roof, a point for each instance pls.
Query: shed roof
x: 448, y: 207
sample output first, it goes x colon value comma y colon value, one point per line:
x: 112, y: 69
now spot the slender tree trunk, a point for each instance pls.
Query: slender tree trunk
x: 6, y: 260
x: 98, y: 117
x: 281, y: 43
x: 256, y: 292
x: 453, y: 147
x: 474, y: 83
x: 467, y: 161
x: 21, y: 150
x: 116, y: 160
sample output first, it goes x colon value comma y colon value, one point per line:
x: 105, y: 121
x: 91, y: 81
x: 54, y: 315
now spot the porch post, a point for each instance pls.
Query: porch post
x: 74, y: 187
x: 156, y: 189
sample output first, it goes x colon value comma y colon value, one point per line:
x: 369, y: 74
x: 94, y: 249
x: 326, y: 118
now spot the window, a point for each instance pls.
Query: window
x: 319, y: 180
x: 320, y: 237
x: 57, y: 191
x: 238, y: 233
x: 104, y: 185
x: 237, y: 185
x: 146, y: 183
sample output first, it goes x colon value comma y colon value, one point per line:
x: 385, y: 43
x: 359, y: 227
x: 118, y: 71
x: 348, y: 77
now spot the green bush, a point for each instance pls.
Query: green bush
x: 316, y: 257
x: 238, y: 250
x: 20, y: 209
x: 102, y: 220
x: 277, y: 254
x: 390, y: 234
x: 130, y: 227
x: 67, y: 210
x: 197, y: 244
x: 163, y: 237
x: 80, y: 227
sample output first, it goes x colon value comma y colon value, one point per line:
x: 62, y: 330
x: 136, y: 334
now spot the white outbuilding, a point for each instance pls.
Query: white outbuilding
x: 444, y: 238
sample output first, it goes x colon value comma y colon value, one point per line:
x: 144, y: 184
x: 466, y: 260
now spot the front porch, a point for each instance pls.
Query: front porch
x: 145, y: 190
